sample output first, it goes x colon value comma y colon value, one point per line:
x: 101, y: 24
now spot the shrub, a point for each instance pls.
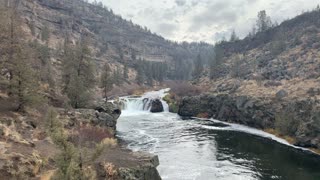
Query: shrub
x: 184, y: 89
x: 109, y: 142
x: 110, y: 170
x: 286, y: 123
x: 277, y: 47
x: 90, y: 134
x: 203, y: 115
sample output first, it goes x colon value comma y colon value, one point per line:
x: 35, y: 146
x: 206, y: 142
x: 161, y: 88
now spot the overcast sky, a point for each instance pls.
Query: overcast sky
x: 204, y: 20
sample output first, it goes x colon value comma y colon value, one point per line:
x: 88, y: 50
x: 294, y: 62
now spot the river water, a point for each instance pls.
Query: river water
x: 199, y: 149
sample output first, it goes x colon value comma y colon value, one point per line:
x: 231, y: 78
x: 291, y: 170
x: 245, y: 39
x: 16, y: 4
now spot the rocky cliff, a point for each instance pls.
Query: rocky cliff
x: 28, y: 151
x: 267, y: 80
x: 113, y: 39
x: 299, y: 119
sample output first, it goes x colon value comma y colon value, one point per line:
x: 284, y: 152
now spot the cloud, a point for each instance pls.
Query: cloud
x: 180, y: 2
x: 167, y: 29
x: 204, y: 20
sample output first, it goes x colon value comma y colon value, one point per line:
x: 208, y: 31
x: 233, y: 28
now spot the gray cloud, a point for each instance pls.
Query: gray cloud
x: 167, y: 29
x: 217, y: 13
x: 204, y: 20
x: 180, y: 2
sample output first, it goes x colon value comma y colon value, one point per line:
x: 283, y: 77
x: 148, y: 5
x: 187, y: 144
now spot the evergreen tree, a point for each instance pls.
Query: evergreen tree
x: 45, y: 34
x: 106, y: 81
x: 117, y: 76
x: 234, y: 36
x: 78, y: 73
x: 133, y: 55
x: 140, y: 73
x: 216, y: 62
x: 125, y: 71
x: 17, y: 61
x: 264, y: 22
x: 198, y: 67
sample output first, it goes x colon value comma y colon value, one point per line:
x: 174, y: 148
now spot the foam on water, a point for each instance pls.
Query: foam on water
x: 194, y: 150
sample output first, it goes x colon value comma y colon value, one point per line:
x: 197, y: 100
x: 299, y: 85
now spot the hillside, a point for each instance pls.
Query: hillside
x: 269, y: 80
x: 284, y: 57
x: 113, y: 39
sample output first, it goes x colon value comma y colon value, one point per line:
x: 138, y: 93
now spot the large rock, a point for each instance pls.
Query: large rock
x: 127, y: 165
x: 101, y: 114
x: 242, y: 109
x: 281, y: 94
x: 258, y: 113
x: 156, y: 106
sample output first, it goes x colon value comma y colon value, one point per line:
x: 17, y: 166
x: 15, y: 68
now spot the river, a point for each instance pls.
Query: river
x: 199, y: 149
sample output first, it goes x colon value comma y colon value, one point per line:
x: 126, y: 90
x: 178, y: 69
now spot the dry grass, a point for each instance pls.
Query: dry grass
x: 317, y: 151
x: 289, y: 139
x: 109, y: 142
x: 184, y: 89
x: 110, y: 170
x: 203, y: 115
x: 48, y: 175
x: 90, y: 134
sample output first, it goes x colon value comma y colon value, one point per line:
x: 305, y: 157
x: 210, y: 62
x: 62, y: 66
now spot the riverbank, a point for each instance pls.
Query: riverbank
x: 227, y: 152
x: 297, y: 119
x: 27, y: 150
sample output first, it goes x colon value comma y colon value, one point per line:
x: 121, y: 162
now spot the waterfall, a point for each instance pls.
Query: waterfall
x: 144, y: 102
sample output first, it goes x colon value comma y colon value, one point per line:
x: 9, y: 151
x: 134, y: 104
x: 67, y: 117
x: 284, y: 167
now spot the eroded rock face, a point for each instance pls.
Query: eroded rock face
x: 156, y: 106
x: 127, y: 165
x: 258, y: 113
x: 240, y: 109
x: 281, y: 94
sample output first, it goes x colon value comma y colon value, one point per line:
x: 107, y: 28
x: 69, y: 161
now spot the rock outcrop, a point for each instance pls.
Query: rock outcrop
x: 259, y: 113
x: 242, y: 109
x: 116, y: 163
x: 156, y: 106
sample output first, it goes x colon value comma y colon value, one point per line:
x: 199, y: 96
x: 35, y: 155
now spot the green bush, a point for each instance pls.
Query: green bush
x: 172, y: 102
x: 286, y: 124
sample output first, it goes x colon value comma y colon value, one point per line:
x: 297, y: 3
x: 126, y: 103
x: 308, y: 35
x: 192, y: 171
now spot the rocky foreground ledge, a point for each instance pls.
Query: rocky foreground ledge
x: 123, y: 163
x: 299, y: 118
x: 28, y: 152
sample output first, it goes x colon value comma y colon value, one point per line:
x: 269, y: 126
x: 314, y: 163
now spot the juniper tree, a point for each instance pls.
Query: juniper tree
x: 198, y: 67
x: 125, y: 71
x: 216, y: 62
x: 45, y: 34
x: 233, y: 36
x: 264, y: 21
x: 140, y: 75
x: 106, y: 81
x: 17, y: 61
x: 78, y: 73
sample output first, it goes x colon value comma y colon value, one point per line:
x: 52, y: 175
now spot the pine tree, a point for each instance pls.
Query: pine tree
x: 140, y: 75
x: 233, y: 36
x: 23, y: 84
x: 133, y: 55
x: 45, y: 34
x: 106, y: 81
x: 117, y: 76
x: 198, y: 67
x: 125, y: 71
x: 78, y: 74
x: 264, y: 22
x: 216, y: 62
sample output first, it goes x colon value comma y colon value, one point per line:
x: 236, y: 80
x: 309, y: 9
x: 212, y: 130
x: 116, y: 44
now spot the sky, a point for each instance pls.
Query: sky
x: 205, y: 20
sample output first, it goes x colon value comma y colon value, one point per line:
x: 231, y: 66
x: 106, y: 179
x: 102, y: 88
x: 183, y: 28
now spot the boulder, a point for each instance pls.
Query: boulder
x: 109, y: 108
x: 156, y: 106
x: 105, y: 119
x: 281, y: 94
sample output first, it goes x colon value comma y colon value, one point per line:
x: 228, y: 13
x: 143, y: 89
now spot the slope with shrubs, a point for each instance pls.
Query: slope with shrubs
x: 269, y: 80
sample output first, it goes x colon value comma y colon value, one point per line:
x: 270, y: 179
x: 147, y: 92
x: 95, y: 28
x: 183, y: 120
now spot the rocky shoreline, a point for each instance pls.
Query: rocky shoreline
x: 126, y: 164
x: 261, y: 113
x: 28, y: 152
